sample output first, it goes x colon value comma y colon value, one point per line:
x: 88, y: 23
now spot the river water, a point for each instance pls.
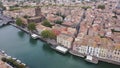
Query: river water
x: 37, y: 54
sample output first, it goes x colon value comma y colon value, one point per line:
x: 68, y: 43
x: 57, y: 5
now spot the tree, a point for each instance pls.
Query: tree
x: 13, y: 62
x: 26, y: 16
x: 19, y: 22
x: 58, y: 22
x: 16, y: 5
x: 60, y: 14
x: 63, y: 16
x: 46, y: 23
x: 101, y: 7
x: 114, y: 16
x: 1, y: 6
x: 48, y: 34
x: 85, y: 7
x: 114, y: 11
x: 31, y: 26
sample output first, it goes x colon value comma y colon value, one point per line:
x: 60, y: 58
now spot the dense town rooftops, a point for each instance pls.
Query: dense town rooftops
x: 66, y: 37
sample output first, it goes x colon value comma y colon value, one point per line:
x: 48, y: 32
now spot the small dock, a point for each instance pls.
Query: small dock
x: 23, y: 29
x: 91, y: 59
x: 76, y: 53
x: 34, y: 36
x: 60, y: 49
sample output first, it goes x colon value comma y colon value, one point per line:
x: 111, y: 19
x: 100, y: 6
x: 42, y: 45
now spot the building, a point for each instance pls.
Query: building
x: 1, y: 11
x: 36, y: 19
x: 116, y: 53
x: 38, y: 11
x: 64, y: 40
x: 38, y: 16
x: 41, y: 28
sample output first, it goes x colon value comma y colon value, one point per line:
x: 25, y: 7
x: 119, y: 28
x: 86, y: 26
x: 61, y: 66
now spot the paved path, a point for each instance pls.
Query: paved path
x: 5, y: 20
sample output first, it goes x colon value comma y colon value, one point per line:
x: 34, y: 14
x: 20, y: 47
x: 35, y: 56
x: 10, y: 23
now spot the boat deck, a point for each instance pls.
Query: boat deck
x: 91, y: 59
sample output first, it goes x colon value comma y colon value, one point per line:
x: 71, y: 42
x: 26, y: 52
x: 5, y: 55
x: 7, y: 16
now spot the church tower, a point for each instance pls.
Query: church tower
x: 37, y: 11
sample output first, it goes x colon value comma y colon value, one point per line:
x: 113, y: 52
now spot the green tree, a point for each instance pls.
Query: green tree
x: 101, y: 7
x: 85, y: 7
x: 48, y: 34
x: 19, y: 22
x: 31, y: 26
x: 26, y: 16
x: 1, y: 6
x: 60, y: 14
x: 13, y: 62
x: 114, y: 16
x: 46, y: 23
x: 58, y: 22
x: 63, y: 16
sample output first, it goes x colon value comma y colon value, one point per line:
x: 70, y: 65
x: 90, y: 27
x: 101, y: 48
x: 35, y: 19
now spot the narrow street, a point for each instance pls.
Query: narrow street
x: 81, y: 19
x: 78, y: 26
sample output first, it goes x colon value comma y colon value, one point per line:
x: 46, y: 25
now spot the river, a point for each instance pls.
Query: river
x: 37, y: 54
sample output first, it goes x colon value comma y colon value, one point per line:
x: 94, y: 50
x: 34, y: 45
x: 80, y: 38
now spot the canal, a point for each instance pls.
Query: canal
x: 37, y: 54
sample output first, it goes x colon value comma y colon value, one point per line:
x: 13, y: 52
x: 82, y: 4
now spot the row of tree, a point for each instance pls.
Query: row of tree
x: 13, y: 63
x: 48, y: 34
x: 31, y: 26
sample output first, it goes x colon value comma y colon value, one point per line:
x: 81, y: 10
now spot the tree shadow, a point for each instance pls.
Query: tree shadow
x: 33, y: 41
x: 46, y: 47
x: 21, y: 34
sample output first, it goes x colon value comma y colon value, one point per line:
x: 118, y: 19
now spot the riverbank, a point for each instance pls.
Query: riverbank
x: 96, y: 58
x: 53, y: 45
x: 38, y: 54
x: 9, y: 61
x: 4, y: 64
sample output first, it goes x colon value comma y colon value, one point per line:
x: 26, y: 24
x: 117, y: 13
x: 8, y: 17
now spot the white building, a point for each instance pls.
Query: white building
x: 96, y: 52
x: 83, y: 49
x: 64, y: 40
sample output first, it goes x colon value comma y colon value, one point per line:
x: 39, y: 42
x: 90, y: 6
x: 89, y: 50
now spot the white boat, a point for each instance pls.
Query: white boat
x: 61, y: 49
x: 23, y: 64
x: 14, y: 58
x: 91, y: 59
x: 18, y: 61
x: 34, y: 36
x: 6, y: 55
x: 3, y: 51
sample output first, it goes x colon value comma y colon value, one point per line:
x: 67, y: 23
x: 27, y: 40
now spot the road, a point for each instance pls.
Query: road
x: 5, y: 19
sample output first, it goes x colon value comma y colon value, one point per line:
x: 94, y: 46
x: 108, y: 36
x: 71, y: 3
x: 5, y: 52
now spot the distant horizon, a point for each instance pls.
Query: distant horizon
x: 43, y: 0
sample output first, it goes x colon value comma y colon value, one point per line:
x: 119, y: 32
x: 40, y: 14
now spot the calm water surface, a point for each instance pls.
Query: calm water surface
x: 36, y: 54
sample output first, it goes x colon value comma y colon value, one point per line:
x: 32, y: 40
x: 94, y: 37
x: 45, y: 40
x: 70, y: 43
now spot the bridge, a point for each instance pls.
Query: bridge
x: 4, y: 20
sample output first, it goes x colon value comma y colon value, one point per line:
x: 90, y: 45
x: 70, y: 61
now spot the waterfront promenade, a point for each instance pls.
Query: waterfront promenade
x: 37, y: 54
x: 96, y: 58
x: 10, y: 61
x: 5, y: 20
x: 54, y: 44
x: 3, y: 64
